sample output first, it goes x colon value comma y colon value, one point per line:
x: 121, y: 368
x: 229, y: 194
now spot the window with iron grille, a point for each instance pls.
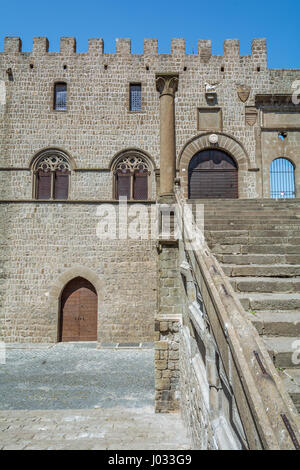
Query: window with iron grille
x: 60, y: 96
x: 135, y: 97
x: 282, y: 179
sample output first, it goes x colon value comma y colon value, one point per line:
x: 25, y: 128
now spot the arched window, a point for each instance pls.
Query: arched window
x: 282, y: 179
x: 131, y: 178
x: 51, y: 176
x: 60, y: 96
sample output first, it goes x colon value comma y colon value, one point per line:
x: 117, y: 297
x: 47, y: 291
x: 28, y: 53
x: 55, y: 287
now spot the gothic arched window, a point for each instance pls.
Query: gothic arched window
x: 51, y: 176
x: 131, y: 178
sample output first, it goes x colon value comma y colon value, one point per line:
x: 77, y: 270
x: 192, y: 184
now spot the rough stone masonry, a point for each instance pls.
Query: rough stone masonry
x: 46, y: 243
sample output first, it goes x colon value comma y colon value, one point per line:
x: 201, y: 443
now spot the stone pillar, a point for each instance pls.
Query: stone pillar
x: 166, y: 84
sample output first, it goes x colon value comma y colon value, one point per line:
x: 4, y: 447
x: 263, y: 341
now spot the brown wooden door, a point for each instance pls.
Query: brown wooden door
x: 213, y: 174
x: 79, y: 311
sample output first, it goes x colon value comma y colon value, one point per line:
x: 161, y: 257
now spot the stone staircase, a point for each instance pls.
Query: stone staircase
x: 257, y: 243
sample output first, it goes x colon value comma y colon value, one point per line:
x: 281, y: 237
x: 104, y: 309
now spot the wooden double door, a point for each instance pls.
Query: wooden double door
x: 78, y: 315
x: 213, y: 174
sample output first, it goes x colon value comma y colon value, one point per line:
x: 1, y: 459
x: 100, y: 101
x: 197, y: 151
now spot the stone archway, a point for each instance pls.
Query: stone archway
x: 213, y: 174
x: 56, y: 291
x: 225, y: 143
x: 78, y: 311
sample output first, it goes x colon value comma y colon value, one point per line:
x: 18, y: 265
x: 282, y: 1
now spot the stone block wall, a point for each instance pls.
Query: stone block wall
x: 167, y: 363
x: 98, y: 124
x: 44, y: 245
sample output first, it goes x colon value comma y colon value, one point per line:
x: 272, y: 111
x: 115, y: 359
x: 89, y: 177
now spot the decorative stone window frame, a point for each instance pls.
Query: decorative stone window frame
x: 52, y: 95
x: 133, y: 153
x: 48, y: 154
x: 228, y: 144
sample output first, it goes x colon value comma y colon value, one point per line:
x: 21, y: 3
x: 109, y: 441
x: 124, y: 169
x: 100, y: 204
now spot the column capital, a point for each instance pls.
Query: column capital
x: 167, y: 83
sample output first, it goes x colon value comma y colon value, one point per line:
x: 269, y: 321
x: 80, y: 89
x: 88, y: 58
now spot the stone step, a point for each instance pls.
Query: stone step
x: 254, y: 201
x: 257, y: 270
x: 269, y: 249
x: 283, y: 350
x: 264, y: 301
x: 214, y: 239
x: 265, y: 284
x: 251, y: 212
x: 224, y: 234
x: 257, y: 259
x: 279, y: 323
x: 240, y: 226
x: 291, y: 379
x: 244, y: 219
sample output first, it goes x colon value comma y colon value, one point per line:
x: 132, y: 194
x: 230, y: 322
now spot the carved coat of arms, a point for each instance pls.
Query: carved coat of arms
x: 243, y: 92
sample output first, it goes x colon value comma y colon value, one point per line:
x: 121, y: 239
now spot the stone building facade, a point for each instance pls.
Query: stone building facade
x: 47, y: 243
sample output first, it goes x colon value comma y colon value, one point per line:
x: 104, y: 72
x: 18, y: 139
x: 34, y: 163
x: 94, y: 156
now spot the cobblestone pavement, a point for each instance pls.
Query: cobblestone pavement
x: 100, y: 429
x: 76, y: 375
x: 74, y: 396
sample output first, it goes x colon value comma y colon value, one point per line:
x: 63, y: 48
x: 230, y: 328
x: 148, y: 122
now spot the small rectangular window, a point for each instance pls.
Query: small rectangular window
x: 135, y: 97
x: 60, y: 96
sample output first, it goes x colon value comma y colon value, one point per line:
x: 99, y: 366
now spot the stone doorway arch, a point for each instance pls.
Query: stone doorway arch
x: 55, y: 293
x: 226, y: 143
x: 212, y: 174
x: 78, y: 311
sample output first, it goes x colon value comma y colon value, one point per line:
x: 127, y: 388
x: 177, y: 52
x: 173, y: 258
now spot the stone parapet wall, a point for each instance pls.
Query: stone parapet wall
x: 231, y: 358
x: 167, y: 363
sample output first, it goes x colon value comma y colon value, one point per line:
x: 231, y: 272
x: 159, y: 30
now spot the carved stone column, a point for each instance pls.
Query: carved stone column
x: 166, y: 84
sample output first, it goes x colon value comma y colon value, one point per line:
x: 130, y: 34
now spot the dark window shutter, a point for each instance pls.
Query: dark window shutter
x: 140, y: 186
x: 123, y: 185
x: 43, y: 185
x: 61, y: 184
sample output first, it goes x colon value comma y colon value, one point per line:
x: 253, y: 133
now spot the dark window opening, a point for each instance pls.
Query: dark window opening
x: 60, y: 96
x: 135, y: 97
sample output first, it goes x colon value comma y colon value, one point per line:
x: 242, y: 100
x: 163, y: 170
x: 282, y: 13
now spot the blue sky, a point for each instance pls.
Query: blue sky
x: 277, y: 20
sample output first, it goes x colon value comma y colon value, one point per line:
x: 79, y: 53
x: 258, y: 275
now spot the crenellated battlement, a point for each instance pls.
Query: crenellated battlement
x: 13, y: 45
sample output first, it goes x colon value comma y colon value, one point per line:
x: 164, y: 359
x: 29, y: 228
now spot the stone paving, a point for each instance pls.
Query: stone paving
x: 74, y: 396
x: 99, y: 429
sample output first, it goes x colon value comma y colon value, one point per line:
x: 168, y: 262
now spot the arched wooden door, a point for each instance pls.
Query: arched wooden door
x: 78, y: 317
x: 213, y: 174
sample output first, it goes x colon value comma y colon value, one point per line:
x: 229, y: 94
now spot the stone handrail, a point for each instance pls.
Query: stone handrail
x: 267, y: 412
